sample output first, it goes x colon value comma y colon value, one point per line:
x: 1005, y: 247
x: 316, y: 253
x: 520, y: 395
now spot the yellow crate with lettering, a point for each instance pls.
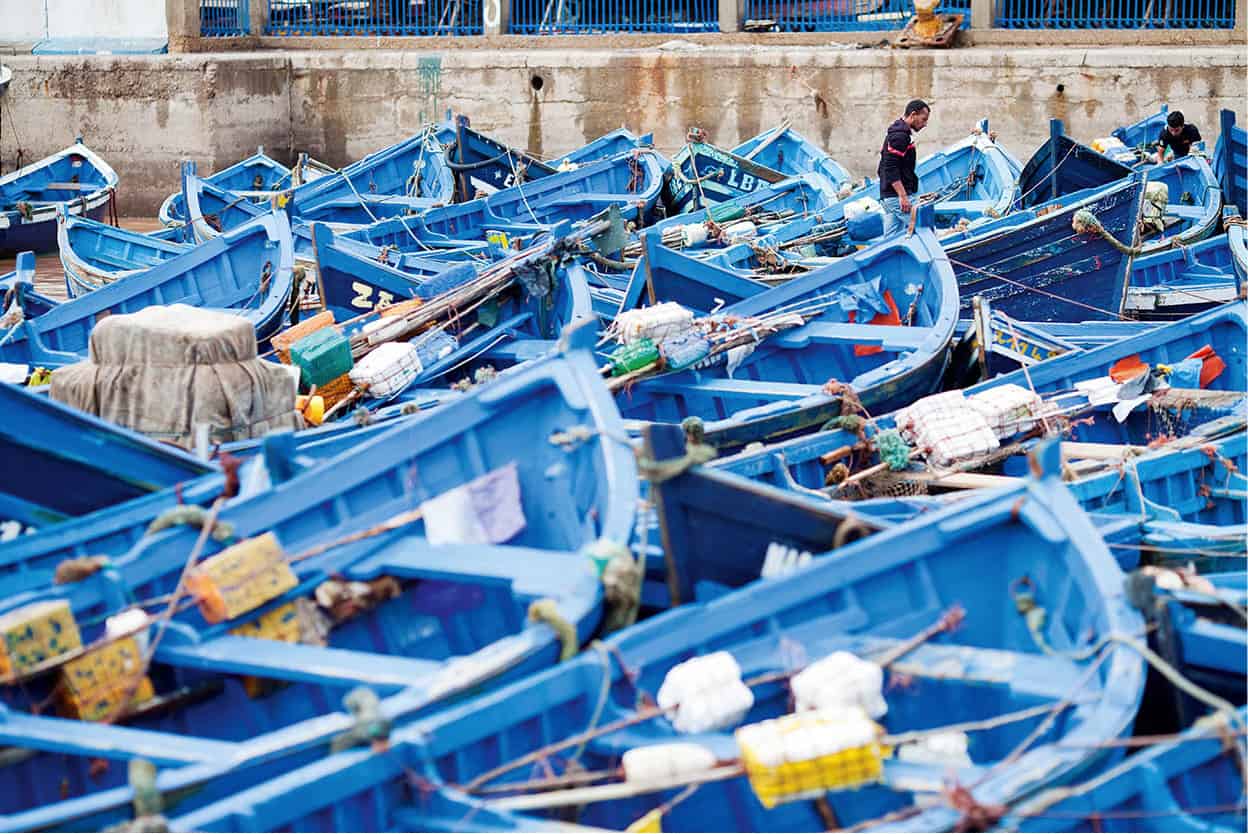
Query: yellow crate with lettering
x: 34, y: 634
x: 281, y: 624
x: 788, y: 780
x: 92, y: 686
x: 241, y: 578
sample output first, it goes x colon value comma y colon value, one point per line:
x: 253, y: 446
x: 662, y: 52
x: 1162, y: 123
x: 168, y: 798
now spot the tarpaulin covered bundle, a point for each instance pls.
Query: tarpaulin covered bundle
x: 164, y: 370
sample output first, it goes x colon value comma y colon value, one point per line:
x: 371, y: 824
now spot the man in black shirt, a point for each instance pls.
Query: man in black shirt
x: 898, y: 180
x: 1176, y: 136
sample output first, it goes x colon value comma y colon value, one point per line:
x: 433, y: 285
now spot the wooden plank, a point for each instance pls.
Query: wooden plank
x: 70, y: 186
x: 964, y: 480
x: 1099, y: 451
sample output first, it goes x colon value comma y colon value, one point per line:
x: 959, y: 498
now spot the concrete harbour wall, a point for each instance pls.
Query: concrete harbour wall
x: 145, y: 113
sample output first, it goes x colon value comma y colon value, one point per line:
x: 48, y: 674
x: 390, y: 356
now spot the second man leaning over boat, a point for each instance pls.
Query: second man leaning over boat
x: 898, y: 181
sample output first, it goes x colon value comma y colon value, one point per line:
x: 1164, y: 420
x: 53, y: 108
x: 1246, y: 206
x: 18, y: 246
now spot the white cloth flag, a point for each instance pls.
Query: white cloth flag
x: 484, y: 511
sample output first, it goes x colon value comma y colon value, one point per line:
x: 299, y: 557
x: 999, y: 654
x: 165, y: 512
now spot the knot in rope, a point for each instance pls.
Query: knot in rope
x: 76, y: 570
x: 546, y: 611
x: 1086, y: 223
x: 622, y: 577
x: 190, y: 516
x: 975, y: 816
x: 836, y: 474
x: 370, y: 725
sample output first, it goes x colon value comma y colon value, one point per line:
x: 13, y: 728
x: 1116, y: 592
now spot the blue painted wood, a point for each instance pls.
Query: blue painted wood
x: 1167, y: 479
x: 75, y: 464
x: 1062, y: 167
x: 94, y: 254
x: 705, y: 175
x: 1193, y: 783
x: 516, y: 325
x: 458, y: 625
x: 610, y: 144
x: 258, y: 173
x: 28, y: 562
x: 248, y: 269
x: 884, y: 589
x: 409, y: 175
x: 1174, y: 283
x: 777, y: 390
x: 76, y: 179
x: 787, y: 151
x: 1031, y: 266
x: 1230, y: 161
x: 213, y: 210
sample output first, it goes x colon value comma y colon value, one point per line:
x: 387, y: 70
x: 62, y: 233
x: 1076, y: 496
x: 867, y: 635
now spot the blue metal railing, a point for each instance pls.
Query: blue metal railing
x: 374, y: 17
x: 1115, y: 14
x: 223, y: 18
x: 840, y: 15
x: 580, y: 17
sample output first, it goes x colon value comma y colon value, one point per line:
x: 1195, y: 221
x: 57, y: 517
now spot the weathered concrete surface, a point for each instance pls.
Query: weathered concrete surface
x: 147, y: 112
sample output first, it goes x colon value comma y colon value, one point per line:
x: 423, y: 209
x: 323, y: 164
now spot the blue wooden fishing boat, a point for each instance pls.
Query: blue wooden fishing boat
x: 608, y: 145
x: 513, y: 753
x: 1192, y: 782
x: 1230, y: 161
x: 257, y: 176
x: 1200, y: 631
x: 18, y: 288
x: 1033, y: 265
x: 1062, y: 167
x: 1179, y: 282
x: 992, y: 343
x: 902, y: 288
x: 704, y: 175
x: 29, y: 561
x: 409, y: 176
x: 75, y: 178
x: 806, y: 465
x: 785, y: 150
x: 247, y: 269
x: 75, y: 464
x: 212, y: 209
x: 94, y: 254
x: 456, y: 617
x: 519, y: 320
x: 632, y: 181
x: 482, y: 164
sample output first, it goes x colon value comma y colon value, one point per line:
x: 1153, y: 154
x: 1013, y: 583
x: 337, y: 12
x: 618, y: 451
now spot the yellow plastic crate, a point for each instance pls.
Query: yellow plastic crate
x: 34, y: 634
x: 241, y: 578
x: 794, y: 780
x: 93, y: 685
x: 281, y: 624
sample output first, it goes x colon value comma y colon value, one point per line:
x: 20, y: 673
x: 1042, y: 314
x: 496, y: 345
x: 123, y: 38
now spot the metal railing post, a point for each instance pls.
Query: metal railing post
x: 496, y: 17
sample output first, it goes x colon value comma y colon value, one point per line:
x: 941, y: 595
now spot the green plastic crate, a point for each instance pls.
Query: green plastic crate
x: 321, y: 356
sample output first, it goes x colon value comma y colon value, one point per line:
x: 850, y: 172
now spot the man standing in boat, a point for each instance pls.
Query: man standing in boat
x: 898, y: 181
x: 1177, y: 136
